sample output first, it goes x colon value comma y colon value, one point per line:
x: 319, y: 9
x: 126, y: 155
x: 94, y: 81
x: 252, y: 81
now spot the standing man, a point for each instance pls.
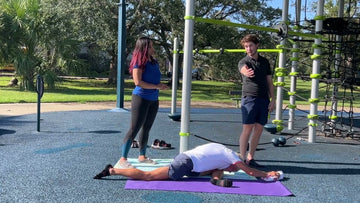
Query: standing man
x: 258, y: 98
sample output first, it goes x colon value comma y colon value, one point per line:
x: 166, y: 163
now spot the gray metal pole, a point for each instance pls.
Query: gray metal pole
x: 38, y: 112
x: 40, y: 92
x: 186, y: 86
x: 294, y: 65
x: 121, y: 54
x: 175, y: 75
x: 280, y: 80
x: 313, y: 116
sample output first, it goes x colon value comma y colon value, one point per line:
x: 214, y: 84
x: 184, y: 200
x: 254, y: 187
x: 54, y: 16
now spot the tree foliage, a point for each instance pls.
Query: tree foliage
x: 163, y: 21
x: 38, y: 41
x: 331, y: 8
x: 46, y: 34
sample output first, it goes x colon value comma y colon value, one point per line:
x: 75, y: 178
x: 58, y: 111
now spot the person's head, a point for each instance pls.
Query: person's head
x: 142, y: 53
x: 250, y: 43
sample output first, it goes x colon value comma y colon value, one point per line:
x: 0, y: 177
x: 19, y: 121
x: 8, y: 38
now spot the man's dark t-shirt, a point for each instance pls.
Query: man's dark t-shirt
x: 256, y: 86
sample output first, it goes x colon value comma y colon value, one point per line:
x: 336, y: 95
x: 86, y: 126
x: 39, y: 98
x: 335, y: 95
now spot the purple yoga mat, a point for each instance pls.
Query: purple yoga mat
x: 244, y: 187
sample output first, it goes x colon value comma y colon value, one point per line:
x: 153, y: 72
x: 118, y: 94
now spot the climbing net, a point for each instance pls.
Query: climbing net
x: 341, y: 76
x: 342, y: 72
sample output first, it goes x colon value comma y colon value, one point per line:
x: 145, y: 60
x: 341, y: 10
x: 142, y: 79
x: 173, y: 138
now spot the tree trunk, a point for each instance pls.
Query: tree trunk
x: 112, y: 72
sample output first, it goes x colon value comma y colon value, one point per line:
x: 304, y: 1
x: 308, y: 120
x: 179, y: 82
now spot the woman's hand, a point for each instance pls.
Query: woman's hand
x: 162, y: 86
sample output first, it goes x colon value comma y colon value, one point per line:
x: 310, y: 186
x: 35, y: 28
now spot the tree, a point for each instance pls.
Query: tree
x: 20, y: 17
x: 163, y: 20
x: 7, y: 47
x: 55, y: 29
x: 95, y: 24
x: 40, y: 41
x: 331, y: 8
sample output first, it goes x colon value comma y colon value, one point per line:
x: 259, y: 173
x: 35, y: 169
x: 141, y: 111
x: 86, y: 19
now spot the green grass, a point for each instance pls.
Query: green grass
x: 83, y: 90
x: 92, y: 90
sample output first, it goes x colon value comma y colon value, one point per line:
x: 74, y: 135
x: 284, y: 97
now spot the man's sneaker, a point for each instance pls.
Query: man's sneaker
x: 104, y: 172
x: 253, y: 163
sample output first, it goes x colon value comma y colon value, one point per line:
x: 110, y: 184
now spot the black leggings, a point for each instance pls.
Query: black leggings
x: 143, y: 113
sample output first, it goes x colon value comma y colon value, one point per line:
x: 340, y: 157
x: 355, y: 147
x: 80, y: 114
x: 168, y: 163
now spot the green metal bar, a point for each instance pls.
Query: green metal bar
x: 226, y: 23
x: 203, y: 51
x: 254, y: 27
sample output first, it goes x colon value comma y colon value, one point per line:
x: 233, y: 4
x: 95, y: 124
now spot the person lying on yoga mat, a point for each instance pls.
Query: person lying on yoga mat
x: 208, y: 159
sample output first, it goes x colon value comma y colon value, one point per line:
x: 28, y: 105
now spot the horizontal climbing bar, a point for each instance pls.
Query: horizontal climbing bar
x: 253, y: 27
x: 205, y: 51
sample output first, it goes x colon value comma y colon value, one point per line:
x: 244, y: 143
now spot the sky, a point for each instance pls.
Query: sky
x: 309, y: 14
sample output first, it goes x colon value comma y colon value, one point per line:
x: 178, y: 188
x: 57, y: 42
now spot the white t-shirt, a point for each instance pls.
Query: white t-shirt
x: 211, y: 156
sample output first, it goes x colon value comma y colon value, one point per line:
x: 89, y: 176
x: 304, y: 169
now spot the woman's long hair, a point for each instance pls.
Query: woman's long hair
x: 140, y: 55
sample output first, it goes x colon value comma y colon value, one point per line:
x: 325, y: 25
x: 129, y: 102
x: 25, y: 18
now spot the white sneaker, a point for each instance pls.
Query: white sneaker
x: 148, y: 161
x: 125, y: 164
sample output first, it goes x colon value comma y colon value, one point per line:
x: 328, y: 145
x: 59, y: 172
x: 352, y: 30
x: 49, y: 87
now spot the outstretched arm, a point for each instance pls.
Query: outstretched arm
x: 257, y: 173
x: 246, y: 71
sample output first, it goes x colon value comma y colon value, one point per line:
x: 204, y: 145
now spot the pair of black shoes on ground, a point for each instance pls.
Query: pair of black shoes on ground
x: 160, y: 144
x: 157, y: 144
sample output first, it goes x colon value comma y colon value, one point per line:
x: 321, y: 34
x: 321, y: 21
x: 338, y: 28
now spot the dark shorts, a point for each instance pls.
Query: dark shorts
x: 254, y: 110
x: 181, y: 166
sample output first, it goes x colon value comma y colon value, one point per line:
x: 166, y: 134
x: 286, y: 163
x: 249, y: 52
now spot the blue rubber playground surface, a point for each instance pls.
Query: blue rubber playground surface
x: 58, y: 163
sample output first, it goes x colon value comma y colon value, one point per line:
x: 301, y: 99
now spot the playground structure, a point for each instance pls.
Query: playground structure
x: 327, y: 36
x: 343, y: 57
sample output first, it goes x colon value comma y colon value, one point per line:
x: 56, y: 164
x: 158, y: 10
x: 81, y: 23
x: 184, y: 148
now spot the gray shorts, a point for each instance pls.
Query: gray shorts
x: 181, y: 166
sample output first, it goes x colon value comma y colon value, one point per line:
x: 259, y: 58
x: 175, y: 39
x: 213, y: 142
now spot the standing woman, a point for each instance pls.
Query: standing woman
x: 145, y: 99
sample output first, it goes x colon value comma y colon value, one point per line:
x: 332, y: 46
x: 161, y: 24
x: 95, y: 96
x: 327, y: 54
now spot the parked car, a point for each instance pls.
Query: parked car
x: 198, y: 74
